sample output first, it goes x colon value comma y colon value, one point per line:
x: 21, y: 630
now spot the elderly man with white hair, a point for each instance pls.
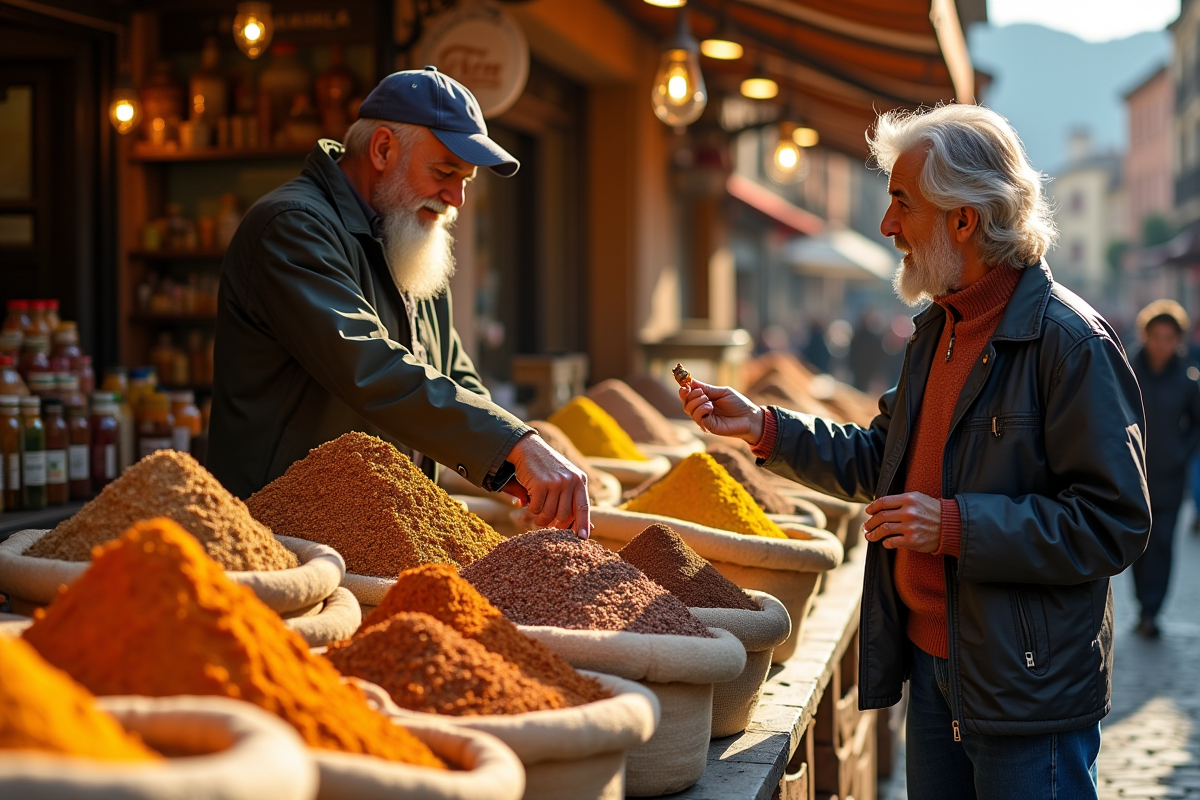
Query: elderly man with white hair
x: 1005, y: 475
x: 334, y: 310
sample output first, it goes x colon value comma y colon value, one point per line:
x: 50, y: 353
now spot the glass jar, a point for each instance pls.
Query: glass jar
x: 66, y: 388
x: 82, y: 368
x: 38, y: 324
x: 105, y: 439
x: 33, y: 454
x: 35, y: 354
x: 155, y: 427
x: 162, y: 355
x: 79, y: 455
x: 10, y: 344
x: 42, y: 384
x: 187, y: 419
x: 57, y: 439
x: 11, y: 382
x: 142, y: 381
x: 52, y: 316
x: 208, y: 92
x: 17, y: 320
x: 11, y: 434
x: 65, y: 341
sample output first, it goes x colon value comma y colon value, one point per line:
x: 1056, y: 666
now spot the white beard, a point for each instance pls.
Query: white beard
x: 420, y: 255
x: 929, y: 271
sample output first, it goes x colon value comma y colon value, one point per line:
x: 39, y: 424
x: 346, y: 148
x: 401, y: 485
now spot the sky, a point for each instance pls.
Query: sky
x: 1090, y: 20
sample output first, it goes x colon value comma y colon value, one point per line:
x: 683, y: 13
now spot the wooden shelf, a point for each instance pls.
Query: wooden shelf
x: 172, y: 319
x: 148, y: 155
x: 177, y: 255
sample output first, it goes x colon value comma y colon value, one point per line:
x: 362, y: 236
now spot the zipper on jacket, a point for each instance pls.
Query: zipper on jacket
x: 950, y: 349
x: 951, y: 666
x: 996, y: 427
x: 957, y: 733
x: 1026, y: 630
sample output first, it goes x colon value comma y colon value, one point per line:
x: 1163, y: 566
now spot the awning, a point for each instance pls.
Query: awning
x: 841, y: 253
x: 771, y: 205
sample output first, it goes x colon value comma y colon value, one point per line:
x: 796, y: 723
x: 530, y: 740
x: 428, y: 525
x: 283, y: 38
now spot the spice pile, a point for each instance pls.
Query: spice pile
x: 41, y: 708
x: 640, y: 420
x: 367, y: 500
x: 551, y: 578
x: 554, y: 437
x: 594, y: 431
x: 427, y: 666
x: 667, y: 560
x: 664, y: 399
x: 753, y: 478
x: 154, y: 616
x: 437, y: 590
x: 174, y: 485
x: 699, y: 490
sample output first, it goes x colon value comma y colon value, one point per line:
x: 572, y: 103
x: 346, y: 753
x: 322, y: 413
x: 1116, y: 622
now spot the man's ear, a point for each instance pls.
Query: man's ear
x: 964, y: 221
x: 381, y: 145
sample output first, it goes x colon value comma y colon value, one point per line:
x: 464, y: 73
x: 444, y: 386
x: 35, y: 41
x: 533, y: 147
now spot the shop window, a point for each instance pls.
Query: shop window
x: 16, y: 131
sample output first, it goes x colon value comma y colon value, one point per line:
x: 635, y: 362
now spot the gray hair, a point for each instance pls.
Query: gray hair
x: 358, y: 136
x: 974, y: 158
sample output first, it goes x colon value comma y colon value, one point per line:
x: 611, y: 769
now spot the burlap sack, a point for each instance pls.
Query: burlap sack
x: 338, y: 620
x: 633, y: 473
x: 367, y: 589
x: 572, y: 752
x: 681, y: 671
x: 483, y: 767
x: 35, y: 581
x: 839, y: 514
x: 220, y: 749
x: 759, y: 632
x: 787, y: 569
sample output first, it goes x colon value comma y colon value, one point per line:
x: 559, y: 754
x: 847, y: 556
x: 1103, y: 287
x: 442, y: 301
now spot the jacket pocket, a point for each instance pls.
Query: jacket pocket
x: 999, y: 424
x: 1029, y: 616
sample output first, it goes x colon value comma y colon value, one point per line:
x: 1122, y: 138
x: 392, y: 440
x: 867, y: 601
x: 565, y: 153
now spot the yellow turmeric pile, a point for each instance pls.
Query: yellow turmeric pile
x: 155, y: 616
x: 594, y: 431
x: 699, y: 490
x: 41, y: 708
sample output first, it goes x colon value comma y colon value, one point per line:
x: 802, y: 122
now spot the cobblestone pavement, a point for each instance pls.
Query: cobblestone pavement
x: 1151, y: 740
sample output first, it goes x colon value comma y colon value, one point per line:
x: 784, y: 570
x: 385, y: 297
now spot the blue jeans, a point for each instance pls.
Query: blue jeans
x: 1052, y: 766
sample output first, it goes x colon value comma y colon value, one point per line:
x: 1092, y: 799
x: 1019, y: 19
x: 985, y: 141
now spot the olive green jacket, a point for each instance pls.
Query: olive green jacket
x: 313, y: 341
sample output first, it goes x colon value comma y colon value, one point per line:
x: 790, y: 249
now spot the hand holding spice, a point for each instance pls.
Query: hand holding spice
x: 723, y: 411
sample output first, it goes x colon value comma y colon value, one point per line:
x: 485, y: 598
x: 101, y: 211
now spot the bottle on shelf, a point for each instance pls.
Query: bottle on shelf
x: 11, y: 382
x: 17, y: 320
x: 52, y: 317
x: 79, y: 456
x: 38, y: 323
x: 228, y: 219
x: 116, y: 381
x: 106, y: 435
x: 81, y: 367
x: 162, y: 100
x: 57, y: 441
x: 155, y: 426
x: 10, y: 344
x: 64, y: 346
x: 33, y: 454
x: 187, y: 423
x: 208, y: 91
x: 11, y: 435
x: 142, y: 381
x: 66, y: 387
x: 162, y: 355
x: 43, y: 384
x: 35, y: 354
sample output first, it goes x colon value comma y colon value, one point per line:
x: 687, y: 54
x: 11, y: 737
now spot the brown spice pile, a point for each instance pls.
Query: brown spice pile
x: 666, y: 559
x: 752, y: 477
x: 437, y: 590
x: 427, y: 666
x: 552, y: 578
x: 642, y: 421
x: 367, y: 500
x: 169, y: 484
x: 664, y: 398
x: 554, y: 436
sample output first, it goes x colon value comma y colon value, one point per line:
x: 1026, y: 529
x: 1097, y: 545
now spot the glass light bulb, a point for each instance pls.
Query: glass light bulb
x: 786, y: 163
x: 759, y: 88
x: 253, y: 28
x: 667, y: 3
x: 806, y: 137
x: 124, y: 110
x: 786, y: 157
x: 679, y: 96
x: 723, y: 49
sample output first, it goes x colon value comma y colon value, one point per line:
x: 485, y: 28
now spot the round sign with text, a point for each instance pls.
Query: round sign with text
x: 482, y: 47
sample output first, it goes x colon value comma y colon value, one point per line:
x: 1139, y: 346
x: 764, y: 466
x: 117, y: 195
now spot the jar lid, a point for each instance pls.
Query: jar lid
x: 6, y: 361
x: 140, y: 373
x: 18, y: 305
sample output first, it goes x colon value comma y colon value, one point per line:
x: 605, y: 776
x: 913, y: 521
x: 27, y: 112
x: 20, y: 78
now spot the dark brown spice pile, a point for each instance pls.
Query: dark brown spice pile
x: 367, y: 500
x: 667, y: 560
x: 642, y: 421
x: 752, y: 477
x: 426, y: 666
x: 174, y: 485
x: 552, y: 578
x: 664, y: 398
x: 554, y: 436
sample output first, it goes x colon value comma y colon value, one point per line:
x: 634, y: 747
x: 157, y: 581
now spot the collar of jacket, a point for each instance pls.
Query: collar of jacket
x: 1022, y: 319
x: 321, y: 166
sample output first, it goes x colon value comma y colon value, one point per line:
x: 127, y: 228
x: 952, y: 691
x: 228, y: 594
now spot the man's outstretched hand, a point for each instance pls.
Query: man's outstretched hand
x: 722, y: 411
x: 557, y: 489
x: 912, y: 521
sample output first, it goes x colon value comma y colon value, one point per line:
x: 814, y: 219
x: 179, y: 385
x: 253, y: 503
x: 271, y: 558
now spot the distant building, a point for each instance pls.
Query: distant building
x: 1090, y: 213
x: 1149, y: 175
x: 1185, y: 76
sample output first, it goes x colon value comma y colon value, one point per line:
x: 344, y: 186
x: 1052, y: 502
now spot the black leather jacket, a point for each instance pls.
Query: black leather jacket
x: 1046, y: 459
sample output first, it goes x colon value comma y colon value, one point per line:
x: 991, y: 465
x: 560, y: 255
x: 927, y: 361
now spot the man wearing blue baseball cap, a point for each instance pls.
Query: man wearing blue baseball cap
x: 334, y: 310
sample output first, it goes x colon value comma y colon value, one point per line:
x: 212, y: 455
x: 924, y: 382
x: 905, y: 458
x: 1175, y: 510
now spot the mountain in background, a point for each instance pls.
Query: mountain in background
x: 1048, y: 82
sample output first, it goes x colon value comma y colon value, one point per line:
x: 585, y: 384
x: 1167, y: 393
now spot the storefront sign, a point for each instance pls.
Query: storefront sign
x: 483, y: 47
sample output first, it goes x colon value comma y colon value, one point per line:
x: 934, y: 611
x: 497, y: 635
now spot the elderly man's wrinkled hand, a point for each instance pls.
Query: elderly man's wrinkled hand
x: 557, y: 488
x: 912, y: 521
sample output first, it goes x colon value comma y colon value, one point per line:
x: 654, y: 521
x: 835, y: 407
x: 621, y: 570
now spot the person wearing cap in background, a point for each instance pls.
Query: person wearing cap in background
x: 335, y: 315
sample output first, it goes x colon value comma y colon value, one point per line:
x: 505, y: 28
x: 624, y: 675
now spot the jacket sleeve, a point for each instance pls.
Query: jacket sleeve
x: 303, y: 292
x: 841, y: 460
x: 1097, y: 522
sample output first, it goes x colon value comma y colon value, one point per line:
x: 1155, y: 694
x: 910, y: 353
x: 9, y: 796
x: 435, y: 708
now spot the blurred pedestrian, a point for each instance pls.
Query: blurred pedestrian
x: 866, y: 355
x: 816, y: 350
x: 1171, y: 398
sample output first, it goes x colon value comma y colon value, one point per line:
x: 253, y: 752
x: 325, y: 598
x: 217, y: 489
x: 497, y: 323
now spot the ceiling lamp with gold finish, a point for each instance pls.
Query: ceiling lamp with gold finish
x: 253, y: 28
x: 679, y: 95
x: 759, y: 86
x: 786, y: 162
x: 723, y: 45
x: 667, y: 3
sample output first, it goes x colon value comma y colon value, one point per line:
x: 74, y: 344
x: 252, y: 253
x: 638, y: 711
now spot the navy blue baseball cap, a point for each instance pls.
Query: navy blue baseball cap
x: 428, y: 98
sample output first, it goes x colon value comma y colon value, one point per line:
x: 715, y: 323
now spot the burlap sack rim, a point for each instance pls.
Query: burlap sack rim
x: 338, y: 620
x: 760, y: 630
x: 320, y: 572
x: 673, y: 452
x: 368, y: 589
x: 633, y: 473
x: 266, y: 758
x: 806, y: 549
x: 486, y: 768
x: 540, y: 736
x: 653, y: 657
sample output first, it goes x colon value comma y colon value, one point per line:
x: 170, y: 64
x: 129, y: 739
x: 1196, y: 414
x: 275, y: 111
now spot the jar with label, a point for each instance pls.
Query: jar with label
x: 187, y: 419
x: 105, y: 436
x: 142, y: 381
x: 33, y: 454
x: 10, y: 344
x: 52, y: 317
x: 82, y: 369
x: 66, y: 388
x: 116, y: 381
x: 65, y: 345
x: 155, y: 427
x: 35, y: 354
x: 57, y: 440
x: 42, y: 384
x: 11, y: 434
x: 17, y: 320
x: 37, y: 319
x: 79, y: 455
x: 11, y: 381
